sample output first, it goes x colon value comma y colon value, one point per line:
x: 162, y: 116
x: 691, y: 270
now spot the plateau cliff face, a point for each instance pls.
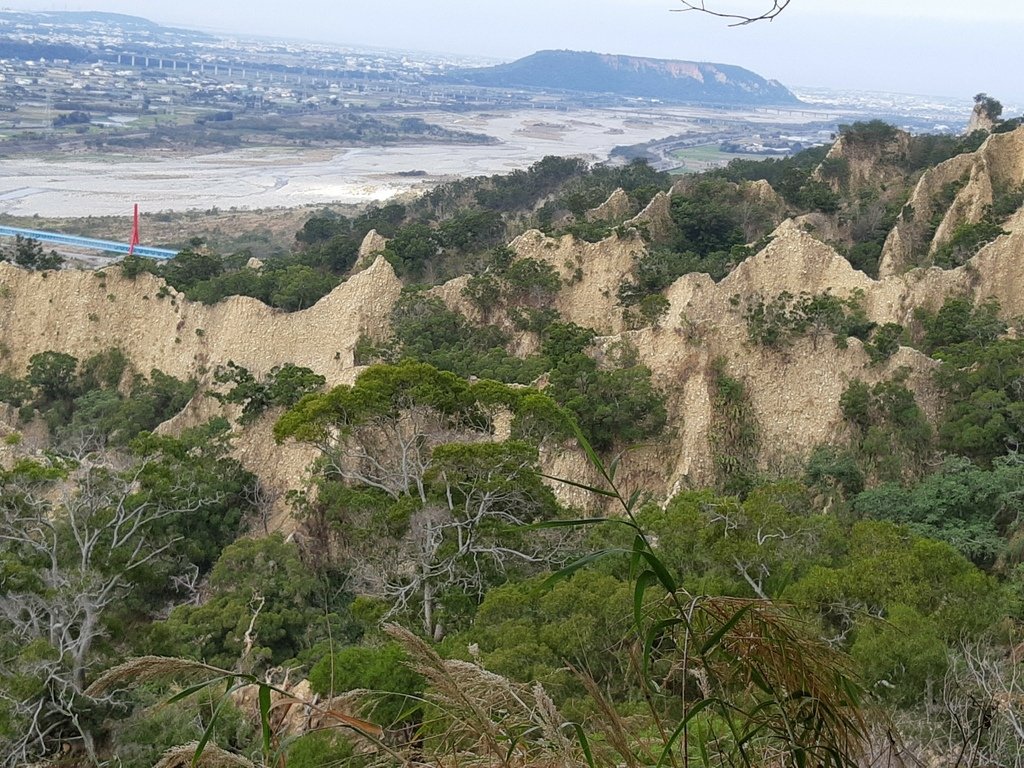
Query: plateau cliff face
x: 635, y: 76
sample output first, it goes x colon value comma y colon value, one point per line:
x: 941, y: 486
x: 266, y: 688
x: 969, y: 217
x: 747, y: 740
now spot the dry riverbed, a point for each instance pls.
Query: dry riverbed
x: 254, y: 178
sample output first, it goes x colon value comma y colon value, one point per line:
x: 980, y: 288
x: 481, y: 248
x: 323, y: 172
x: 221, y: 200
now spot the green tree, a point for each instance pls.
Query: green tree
x: 757, y: 547
x: 984, y: 416
x: 612, y: 407
x: 384, y: 670
x: 705, y: 218
x: 529, y: 632
x: 424, y: 500
x: 891, y: 434
x: 970, y: 508
x: 298, y: 287
x: 265, y: 608
x: 885, y: 565
x: 67, y: 567
x: 189, y: 268
x: 195, y: 474
x: 53, y: 375
x: 958, y: 321
x: 903, y: 656
x: 381, y: 431
x: 988, y: 106
x: 29, y: 253
x: 412, y: 250
x: 283, y: 386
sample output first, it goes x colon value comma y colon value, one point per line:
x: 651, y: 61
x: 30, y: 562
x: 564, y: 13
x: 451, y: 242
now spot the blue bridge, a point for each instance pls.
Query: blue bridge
x: 87, y: 242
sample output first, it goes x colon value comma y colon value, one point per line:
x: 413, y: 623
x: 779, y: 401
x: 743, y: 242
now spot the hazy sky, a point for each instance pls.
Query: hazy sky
x: 942, y: 47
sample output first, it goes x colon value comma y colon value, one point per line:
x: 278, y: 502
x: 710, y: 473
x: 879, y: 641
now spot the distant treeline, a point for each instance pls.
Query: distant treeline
x: 31, y: 51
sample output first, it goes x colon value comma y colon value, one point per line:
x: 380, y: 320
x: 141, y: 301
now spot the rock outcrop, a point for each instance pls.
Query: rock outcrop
x: 655, y: 220
x: 981, y: 118
x: 865, y: 162
x: 373, y: 245
x: 84, y: 312
x: 793, y: 392
x: 998, y: 165
x: 591, y: 274
x: 616, y: 208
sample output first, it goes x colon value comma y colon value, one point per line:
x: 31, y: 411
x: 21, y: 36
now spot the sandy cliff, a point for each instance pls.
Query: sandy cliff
x: 998, y: 165
x: 794, y: 392
x: 84, y: 312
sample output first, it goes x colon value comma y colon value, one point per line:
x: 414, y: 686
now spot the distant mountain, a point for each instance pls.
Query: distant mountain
x: 663, y: 79
x: 63, y: 20
x: 122, y: 20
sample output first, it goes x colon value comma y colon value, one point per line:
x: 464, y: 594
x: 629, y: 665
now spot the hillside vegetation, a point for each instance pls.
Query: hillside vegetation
x: 575, y: 466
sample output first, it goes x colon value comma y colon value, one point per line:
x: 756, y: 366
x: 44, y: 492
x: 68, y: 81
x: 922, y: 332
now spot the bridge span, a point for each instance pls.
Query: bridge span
x: 87, y: 242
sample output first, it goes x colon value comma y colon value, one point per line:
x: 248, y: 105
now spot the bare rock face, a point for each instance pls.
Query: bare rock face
x: 824, y: 227
x: 373, y: 245
x: 969, y: 205
x: 980, y: 120
x: 616, y: 208
x: 793, y: 392
x: 591, y: 274
x: 794, y: 261
x: 868, y: 165
x: 996, y: 269
x: 655, y: 220
x: 84, y: 312
x: 998, y: 165
x: 763, y: 193
x: 451, y: 293
x: 906, y: 238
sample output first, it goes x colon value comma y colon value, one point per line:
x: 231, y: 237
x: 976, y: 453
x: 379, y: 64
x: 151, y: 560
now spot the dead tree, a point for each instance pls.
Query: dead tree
x: 80, y: 540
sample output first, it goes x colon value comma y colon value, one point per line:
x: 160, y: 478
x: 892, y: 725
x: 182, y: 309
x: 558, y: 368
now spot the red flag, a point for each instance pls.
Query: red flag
x: 135, y: 232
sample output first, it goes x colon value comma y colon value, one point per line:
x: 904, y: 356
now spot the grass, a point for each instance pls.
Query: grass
x: 703, y: 157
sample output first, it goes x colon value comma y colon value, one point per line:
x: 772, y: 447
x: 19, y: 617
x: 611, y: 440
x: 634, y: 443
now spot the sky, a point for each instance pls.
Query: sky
x: 932, y: 47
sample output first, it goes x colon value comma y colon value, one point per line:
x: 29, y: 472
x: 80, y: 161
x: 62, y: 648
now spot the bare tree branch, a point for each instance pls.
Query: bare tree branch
x: 82, y: 537
x: 736, y: 19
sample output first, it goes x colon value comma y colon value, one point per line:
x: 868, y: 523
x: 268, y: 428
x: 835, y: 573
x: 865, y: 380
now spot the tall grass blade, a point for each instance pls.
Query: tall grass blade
x: 666, y: 578
x: 588, y: 753
x: 264, y: 699
x: 722, y: 631
x: 564, y: 573
x: 695, y: 710
x: 208, y: 733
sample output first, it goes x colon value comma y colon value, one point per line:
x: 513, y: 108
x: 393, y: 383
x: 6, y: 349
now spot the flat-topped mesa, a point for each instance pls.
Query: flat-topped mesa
x: 631, y: 76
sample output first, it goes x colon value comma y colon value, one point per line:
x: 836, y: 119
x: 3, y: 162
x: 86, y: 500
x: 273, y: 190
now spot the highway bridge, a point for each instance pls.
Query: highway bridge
x: 87, y: 242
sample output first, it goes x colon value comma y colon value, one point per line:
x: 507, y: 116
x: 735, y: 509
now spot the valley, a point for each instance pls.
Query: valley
x: 580, y: 410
